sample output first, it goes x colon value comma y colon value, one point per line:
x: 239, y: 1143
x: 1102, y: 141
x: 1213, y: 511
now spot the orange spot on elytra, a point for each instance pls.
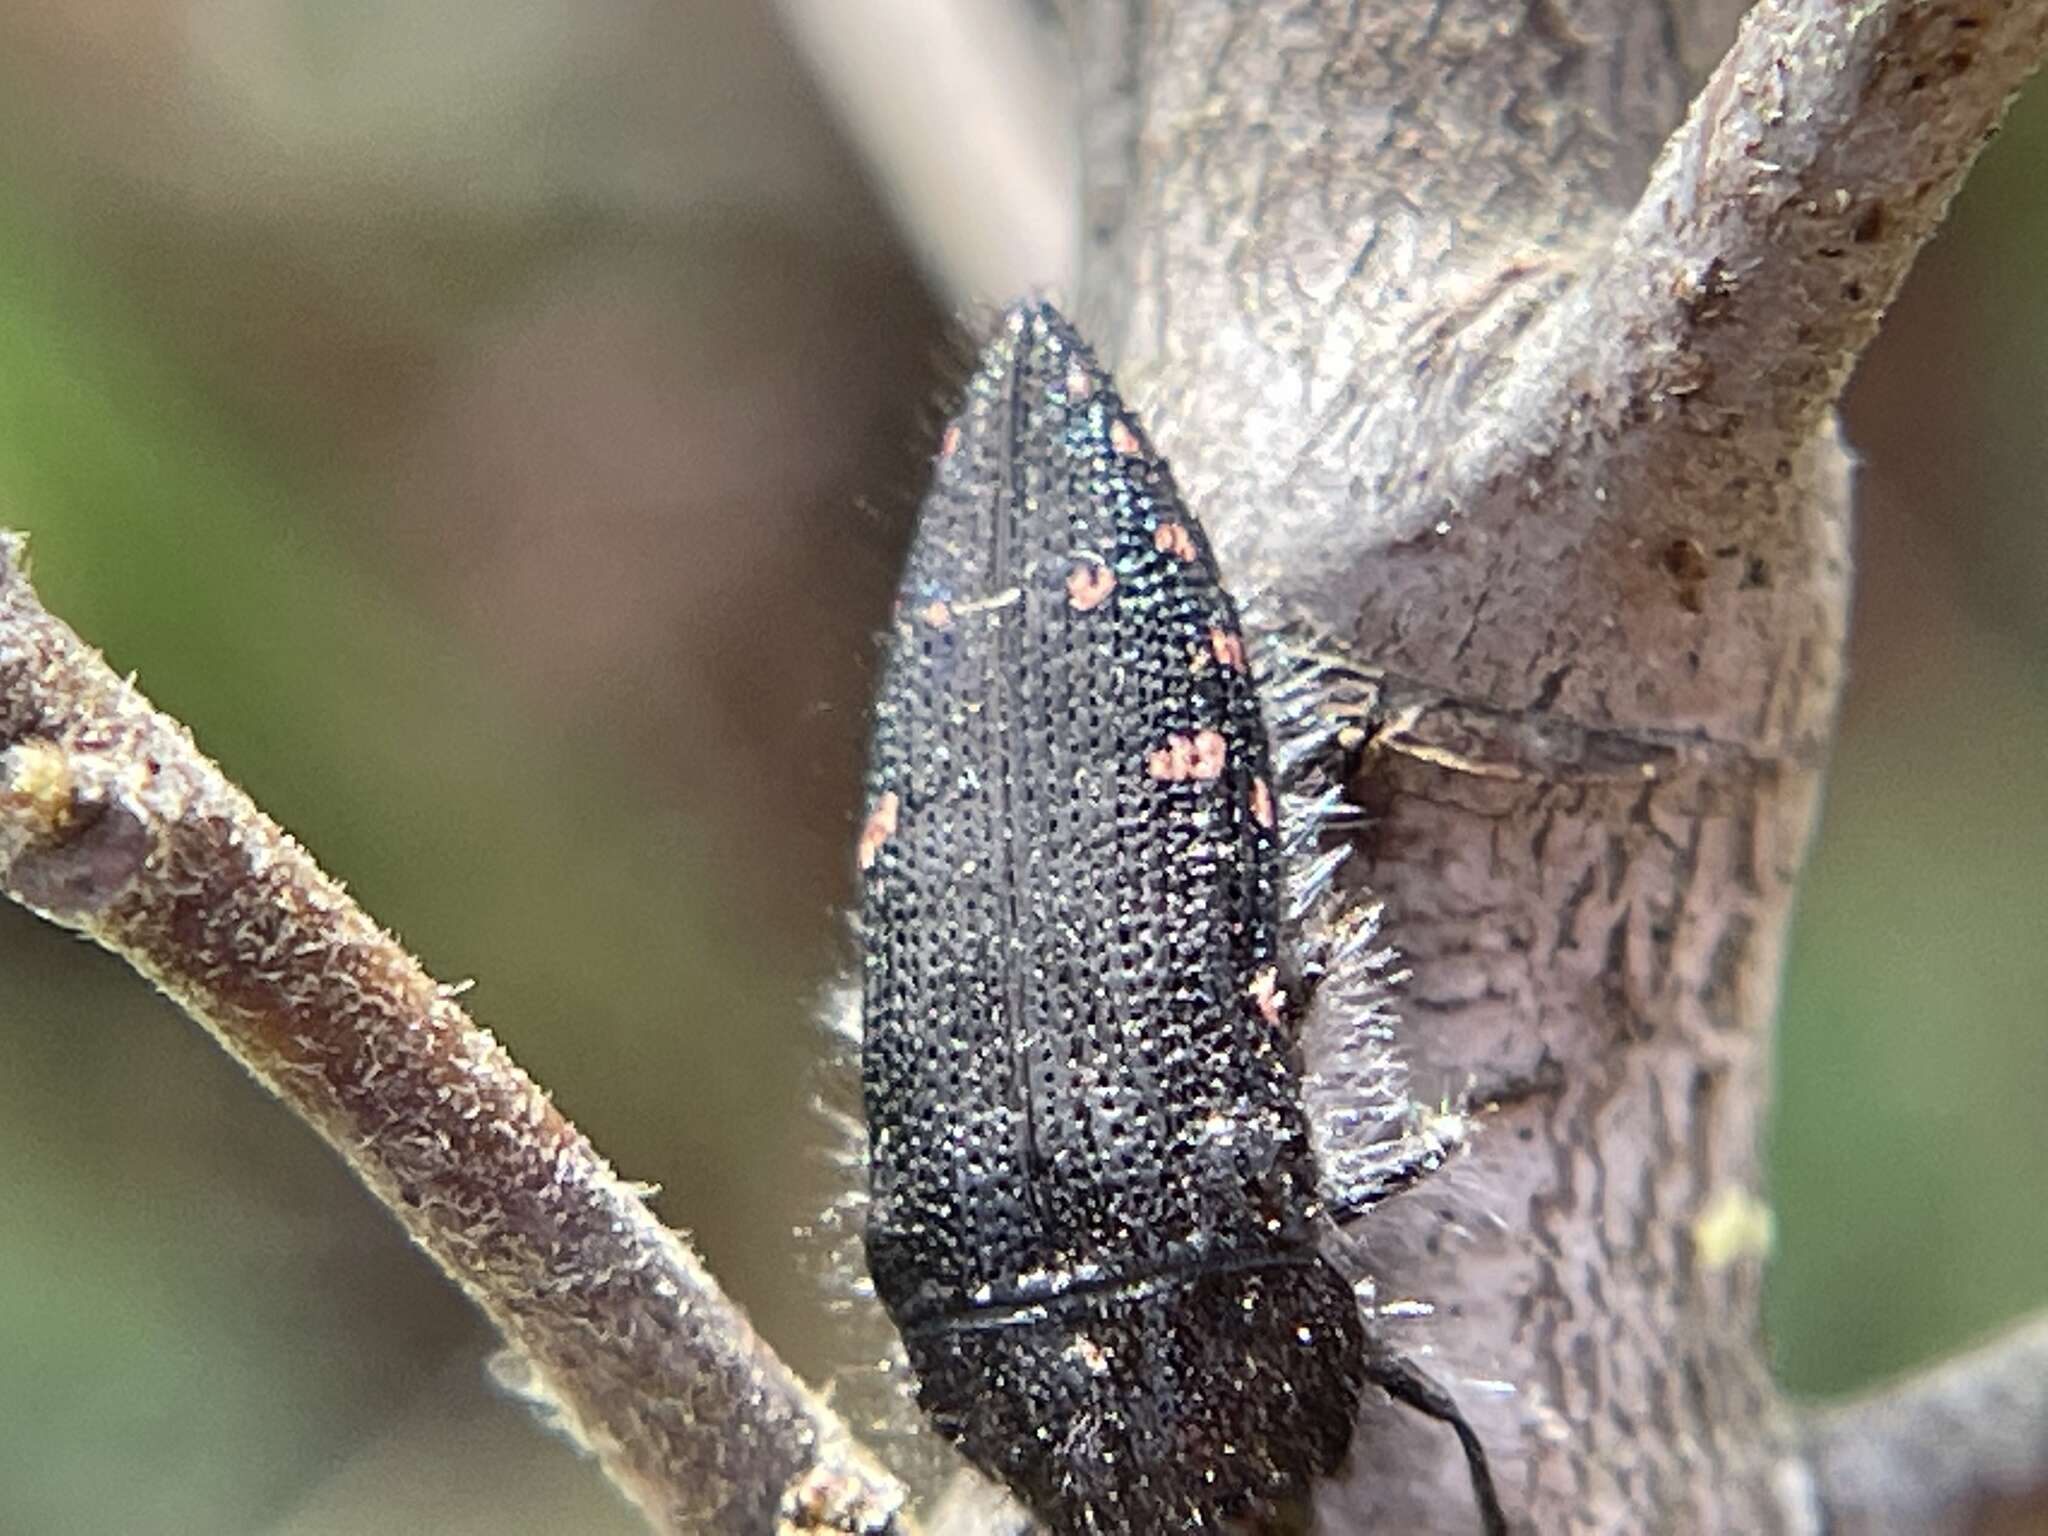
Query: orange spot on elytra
x: 1266, y: 992
x: 1174, y: 539
x: 881, y: 825
x: 936, y: 613
x: 1089, y: 585
x: 950, y: 443
x: 1227, y: 648
x: 1186, y: 759
x: 1262, y: 804
x: 1123, y: 439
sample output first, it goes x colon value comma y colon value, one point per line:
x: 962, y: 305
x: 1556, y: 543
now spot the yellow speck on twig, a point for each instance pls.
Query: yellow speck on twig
x: 1735, y: 1225
x: 39, y: 787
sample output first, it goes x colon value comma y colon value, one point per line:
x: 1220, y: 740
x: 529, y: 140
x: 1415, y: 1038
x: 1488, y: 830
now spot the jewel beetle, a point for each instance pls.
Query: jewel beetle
x: 1093, y: 1208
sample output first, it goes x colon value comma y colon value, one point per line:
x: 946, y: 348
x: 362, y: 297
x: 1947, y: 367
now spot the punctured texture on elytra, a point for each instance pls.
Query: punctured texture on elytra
x: 1092, y: 1195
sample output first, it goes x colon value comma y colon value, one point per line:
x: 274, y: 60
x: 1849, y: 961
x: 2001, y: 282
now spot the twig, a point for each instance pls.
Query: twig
x: 1784, y: 214
x: 113, y: 823
x: 1938, y: 1453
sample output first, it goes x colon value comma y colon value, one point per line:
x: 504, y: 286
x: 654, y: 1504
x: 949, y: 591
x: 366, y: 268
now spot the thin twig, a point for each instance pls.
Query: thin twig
x: 1938, y: 1453
x: 113, y: 823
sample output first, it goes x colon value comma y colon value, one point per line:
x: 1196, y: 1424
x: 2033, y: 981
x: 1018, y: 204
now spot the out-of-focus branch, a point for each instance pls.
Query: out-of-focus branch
x: 113, y: 823
x: 1941, y: 1453
x: 965, y: 117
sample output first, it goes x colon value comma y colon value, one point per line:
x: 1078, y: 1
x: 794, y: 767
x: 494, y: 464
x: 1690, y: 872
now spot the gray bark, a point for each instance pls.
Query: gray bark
x: 1519, y: 390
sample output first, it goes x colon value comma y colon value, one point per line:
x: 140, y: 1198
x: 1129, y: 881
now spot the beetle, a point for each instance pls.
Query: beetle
x: 1093, y: 1205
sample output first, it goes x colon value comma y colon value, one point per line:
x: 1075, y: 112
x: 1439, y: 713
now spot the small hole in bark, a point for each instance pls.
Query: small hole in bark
x: 1685, y: 559
x: 1686, y: 563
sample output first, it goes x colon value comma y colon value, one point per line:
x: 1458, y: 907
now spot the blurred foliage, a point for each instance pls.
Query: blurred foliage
x: 483, y: 479
x: 1914, y: 1034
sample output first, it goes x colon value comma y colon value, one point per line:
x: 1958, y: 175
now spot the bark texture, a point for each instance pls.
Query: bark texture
x: 1518, y: 389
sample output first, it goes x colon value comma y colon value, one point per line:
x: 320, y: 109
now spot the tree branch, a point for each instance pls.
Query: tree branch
x: 113, y: 823
x: 1784, y: 214
x: 1941, y: 1452
x: 1515, y: 390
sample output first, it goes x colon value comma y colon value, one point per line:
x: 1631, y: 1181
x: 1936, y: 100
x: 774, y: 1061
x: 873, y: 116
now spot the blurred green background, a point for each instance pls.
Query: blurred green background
x: 491, y: 429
